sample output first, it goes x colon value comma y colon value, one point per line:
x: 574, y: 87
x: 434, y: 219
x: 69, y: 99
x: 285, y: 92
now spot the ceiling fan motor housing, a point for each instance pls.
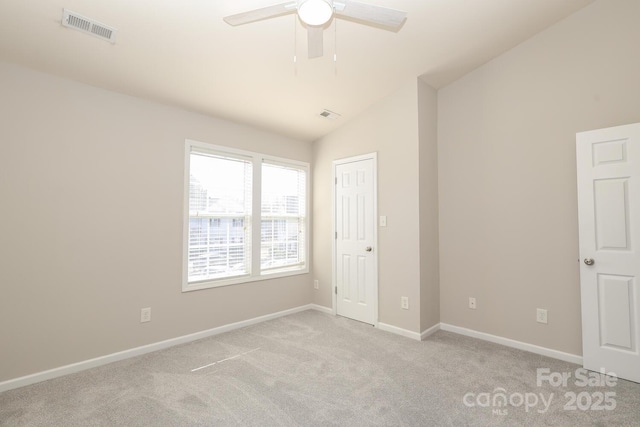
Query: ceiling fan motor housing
x: 315, y: 12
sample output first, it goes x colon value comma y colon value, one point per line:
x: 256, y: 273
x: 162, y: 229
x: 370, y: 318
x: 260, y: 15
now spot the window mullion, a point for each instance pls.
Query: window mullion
x: 256, y: 213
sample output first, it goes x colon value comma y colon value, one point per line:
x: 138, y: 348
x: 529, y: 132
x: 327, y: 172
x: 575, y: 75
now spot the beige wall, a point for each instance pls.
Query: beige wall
x: 428, y: 193
x: 507, y: 174
x: 389, y: 128
x: 91, y: 189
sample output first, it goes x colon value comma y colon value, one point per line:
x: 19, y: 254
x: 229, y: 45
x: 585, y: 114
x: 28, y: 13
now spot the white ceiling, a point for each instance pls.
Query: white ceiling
x: 180, y: 52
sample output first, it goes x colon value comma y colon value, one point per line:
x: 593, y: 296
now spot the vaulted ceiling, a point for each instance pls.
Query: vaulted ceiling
x: 182, y: 53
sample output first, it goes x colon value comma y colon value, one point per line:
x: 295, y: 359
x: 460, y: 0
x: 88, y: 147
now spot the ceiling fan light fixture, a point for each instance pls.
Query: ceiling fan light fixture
x: 315, y: 12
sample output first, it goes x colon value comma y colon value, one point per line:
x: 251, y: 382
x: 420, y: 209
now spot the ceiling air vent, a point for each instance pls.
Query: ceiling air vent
x: 328, y: 114
x: 89, y: 26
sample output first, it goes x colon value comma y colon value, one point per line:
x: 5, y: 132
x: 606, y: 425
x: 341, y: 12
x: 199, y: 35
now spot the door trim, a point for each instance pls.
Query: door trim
x: 370, y: 156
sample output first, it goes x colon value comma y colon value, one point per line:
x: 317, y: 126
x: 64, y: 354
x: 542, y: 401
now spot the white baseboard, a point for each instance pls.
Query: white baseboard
x: 432, y: 330
x: 567, y: 357
x: 399, y: 331
x: 137, y: 351
x: 321, y: 308
x: 409, y: 334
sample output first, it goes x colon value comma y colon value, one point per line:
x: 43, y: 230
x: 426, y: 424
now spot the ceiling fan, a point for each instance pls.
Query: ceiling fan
x: 316, y: 13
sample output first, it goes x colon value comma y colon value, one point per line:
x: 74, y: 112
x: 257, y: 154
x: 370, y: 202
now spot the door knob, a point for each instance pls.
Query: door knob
x: 368, y: 249
x: 589, y: 261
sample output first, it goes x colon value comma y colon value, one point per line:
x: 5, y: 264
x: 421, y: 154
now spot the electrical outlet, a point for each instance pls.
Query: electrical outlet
x: 145, y: 315
x: 472, y: 303
x: 316, y: 284
x: 404, y: 303
x: 541, y: 315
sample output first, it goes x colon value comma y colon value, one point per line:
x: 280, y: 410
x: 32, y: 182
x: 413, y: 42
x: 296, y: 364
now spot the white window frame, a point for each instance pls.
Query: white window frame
x: 256, y: 274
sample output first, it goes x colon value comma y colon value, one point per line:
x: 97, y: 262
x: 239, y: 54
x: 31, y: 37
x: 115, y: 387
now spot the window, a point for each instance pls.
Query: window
x: 232, y: 198
x: 219, y: 200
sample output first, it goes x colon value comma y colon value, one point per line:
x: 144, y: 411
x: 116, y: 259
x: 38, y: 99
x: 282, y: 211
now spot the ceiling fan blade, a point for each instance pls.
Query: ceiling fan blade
x: 379, y: 15
x: 259, y: 14
x: 315, y: 41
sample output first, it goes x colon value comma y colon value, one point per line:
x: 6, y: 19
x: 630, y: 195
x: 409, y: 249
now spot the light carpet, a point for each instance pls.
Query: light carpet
x: 311, y: 368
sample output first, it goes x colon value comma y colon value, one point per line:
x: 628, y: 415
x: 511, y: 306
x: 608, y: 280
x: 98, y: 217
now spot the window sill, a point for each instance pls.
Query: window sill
x: 275, y: 274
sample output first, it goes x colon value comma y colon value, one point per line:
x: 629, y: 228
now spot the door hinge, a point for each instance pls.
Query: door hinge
x: 336, y: 288
x: 336, y: 235
x: 336, y: 180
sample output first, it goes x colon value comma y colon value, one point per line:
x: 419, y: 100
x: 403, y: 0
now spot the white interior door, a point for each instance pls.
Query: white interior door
x: 355, y: 235
x: 608, y: 163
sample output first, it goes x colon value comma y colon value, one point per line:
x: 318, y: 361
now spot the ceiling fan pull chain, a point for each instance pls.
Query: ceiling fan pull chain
x: 335, y: 47
x: 295, y: 45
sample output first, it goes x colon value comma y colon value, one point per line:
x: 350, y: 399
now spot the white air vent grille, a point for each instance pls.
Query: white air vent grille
x: 89, y: 26
x: 328, y: 114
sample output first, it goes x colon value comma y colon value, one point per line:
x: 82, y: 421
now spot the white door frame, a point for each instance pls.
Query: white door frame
x: 334, y: 283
